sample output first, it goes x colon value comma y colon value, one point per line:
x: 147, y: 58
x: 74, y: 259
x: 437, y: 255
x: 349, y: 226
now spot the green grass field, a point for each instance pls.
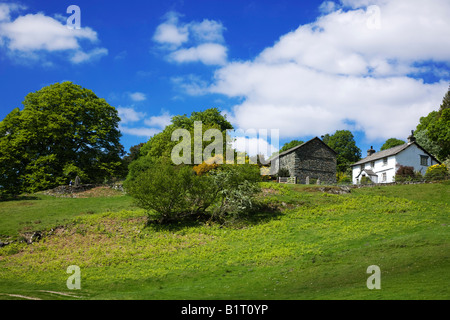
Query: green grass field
x: 317, y: 247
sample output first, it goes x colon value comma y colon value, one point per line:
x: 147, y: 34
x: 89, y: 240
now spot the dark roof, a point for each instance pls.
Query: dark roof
x: 300, y: 146
x: 369, y: 172
x: 390, y: 152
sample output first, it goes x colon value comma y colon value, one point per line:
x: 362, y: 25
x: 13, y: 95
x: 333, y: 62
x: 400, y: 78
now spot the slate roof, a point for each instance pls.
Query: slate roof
x: 299, y: 146
x: 390, y: 152
x: 369, y: 172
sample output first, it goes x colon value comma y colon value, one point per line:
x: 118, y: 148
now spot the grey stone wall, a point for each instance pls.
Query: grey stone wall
x: 313, y: 160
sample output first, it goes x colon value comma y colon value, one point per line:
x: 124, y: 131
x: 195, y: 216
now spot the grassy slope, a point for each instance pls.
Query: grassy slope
x: 318, y: 248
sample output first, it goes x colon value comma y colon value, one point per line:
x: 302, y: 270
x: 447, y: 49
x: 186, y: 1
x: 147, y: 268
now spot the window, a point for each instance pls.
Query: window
x: 385, y: 162
x: 384, y: 177
x: 423, y: 160
x: 372, y: 164
x: 361, y: 167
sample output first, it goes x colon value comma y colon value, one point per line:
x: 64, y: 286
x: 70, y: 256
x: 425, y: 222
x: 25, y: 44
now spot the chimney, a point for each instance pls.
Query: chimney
x: 411, y: 138
x: 371, y: 151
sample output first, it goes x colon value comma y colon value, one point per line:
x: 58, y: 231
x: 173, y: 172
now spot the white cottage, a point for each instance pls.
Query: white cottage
x: 380, y: 167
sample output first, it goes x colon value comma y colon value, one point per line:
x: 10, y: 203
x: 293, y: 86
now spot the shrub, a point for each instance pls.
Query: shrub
x: 162, y: 188
x: 283, y: 172
x: 437, y: 172
x: 235, y: 186
x: 174, y: 192
x: 366, y: 180
x: 343, y: 178
x: 404, y: 173
x: 204, y: 167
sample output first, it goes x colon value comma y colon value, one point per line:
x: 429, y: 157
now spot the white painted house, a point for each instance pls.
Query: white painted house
x: 381, y: 166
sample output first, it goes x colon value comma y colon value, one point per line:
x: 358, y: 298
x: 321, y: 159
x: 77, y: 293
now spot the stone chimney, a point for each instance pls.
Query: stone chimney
x: 411, y: 138
x: 371, y: 151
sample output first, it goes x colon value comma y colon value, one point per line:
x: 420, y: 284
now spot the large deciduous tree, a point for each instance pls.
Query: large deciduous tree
x: 290, y: 145
x: 391, y: 142
x: 62, y: 131
x: 433, y: 131
x: 161, y: 144
x: 343, y: 142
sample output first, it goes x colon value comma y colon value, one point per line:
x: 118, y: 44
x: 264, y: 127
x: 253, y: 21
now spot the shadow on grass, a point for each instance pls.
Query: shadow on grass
x: 259, y: 215
x: 5, y: 198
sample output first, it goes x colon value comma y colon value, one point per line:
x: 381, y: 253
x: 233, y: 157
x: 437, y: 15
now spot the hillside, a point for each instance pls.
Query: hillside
x: 312, y: 245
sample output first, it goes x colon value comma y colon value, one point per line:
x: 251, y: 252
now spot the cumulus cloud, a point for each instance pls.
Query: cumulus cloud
x: 170, y: 32
x: 7, y: 8
x: 129, y: 115
x: 81, y: 56
x: 136, y: 123
x: 207, y: 31
x: 207, y: 53
x: 255, y: 146
x: 353, y: 68
x: 192, y: 42
x: 138, y: 96
x: 160, y: 121
x: 32, y: 35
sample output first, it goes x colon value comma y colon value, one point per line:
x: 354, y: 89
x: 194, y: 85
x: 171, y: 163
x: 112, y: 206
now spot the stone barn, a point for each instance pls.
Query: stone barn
x: 313, y: 159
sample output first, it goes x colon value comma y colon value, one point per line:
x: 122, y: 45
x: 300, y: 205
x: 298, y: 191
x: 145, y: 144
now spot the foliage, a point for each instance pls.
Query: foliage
x: 435, y: 130
x: 425, y: 142
x: 391, y: 142
x: 235, y: 187
x: 161, y: 144
x: 133, y: 154
x: 290, y: 145
x: 162, y: 188
x: 283, y: 172
x: 437, y: 172
x: 63, y: 128
x: 343, y: 142
x: 173, y: 192
x: 209, y: 164
x: 366, y: 180
x: 406, y: 173
x: 343, y: 178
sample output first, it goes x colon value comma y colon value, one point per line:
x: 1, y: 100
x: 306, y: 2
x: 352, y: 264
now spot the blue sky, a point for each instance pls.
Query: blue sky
x: 306, y: 68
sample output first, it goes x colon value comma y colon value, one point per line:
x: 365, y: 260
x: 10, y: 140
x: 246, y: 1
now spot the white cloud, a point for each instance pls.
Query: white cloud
x: 139, y: 131
x: 170, y: 33
x: 207, y: 31
x: 32, y: 35
x: 135, y: 122
x: 191, y: 84
x: 128, y: 115
x: 193, y: 41
x: 160, y: 121
x: 327, y: 6
x: 254, y: 146
x: 138, y: 96
x: 207, y: 53
x: 340, y: 73
x: 80, y: 56
x: 7, y: 8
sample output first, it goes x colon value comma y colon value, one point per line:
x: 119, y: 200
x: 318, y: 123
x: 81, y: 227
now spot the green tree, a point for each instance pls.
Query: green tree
x: 161, y: 144
x: 433, y: 130
x: 343, y: 142
x: 62, y: 131
x: 290, y: 145
x: 392, y: 142
x: 133, y: 154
